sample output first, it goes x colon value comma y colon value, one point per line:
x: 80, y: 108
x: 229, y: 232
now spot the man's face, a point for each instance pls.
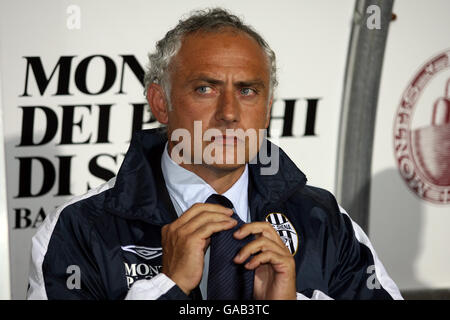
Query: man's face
x: 222, y: 80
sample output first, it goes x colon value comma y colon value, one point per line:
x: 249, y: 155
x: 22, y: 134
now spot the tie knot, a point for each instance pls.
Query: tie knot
x: 219, y: 199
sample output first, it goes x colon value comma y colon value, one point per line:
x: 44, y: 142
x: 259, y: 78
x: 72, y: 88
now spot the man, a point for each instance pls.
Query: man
x: 153, y: 233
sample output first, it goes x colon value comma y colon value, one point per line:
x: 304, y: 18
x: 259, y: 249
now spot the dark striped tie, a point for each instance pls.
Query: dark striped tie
x: 226, y: 279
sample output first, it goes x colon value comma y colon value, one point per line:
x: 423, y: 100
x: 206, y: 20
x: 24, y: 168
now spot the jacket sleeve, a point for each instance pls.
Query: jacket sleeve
x: 63, y: 266
x: 357, y: 272
x: 159, y: 287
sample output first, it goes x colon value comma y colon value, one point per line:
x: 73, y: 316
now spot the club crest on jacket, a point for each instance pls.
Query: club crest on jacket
x: 285, y: 230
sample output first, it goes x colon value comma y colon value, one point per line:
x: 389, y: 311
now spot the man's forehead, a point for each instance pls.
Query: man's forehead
x: 226, y: 47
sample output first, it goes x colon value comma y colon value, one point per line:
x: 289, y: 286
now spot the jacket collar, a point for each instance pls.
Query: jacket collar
x: 278, y: 186
x: 140, y: 192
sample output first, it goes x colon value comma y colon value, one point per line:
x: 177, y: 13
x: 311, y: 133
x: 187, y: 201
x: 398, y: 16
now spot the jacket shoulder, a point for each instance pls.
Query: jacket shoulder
x: 88, y: 207
x: 317, y: 208
x: 315, y: 197
x: 77, y: 214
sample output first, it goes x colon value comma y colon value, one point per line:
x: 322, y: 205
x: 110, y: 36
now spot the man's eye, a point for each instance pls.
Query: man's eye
x: 204, y: 90
x: 248, y: 91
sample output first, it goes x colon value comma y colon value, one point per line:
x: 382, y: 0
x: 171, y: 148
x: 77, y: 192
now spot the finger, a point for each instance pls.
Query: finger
x: 280, y: 263
x: 207, y: 230
x: 263, y: 228
x: 203, y: 218
x: 261, y: 244
x: 198, y: 208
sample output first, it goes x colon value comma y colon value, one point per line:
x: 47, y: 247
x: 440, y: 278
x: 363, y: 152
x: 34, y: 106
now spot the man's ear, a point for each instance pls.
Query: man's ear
x: 158, y: 103
x: 269, y: 110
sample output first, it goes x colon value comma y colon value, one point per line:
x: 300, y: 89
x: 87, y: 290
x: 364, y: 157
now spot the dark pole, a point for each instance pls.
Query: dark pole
x: 359, y: 105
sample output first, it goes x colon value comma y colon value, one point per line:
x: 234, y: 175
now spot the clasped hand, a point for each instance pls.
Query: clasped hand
x: 185, y: 241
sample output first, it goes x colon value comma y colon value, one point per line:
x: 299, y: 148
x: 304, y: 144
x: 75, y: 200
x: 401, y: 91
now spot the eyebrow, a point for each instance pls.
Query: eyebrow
x: 240, y: 84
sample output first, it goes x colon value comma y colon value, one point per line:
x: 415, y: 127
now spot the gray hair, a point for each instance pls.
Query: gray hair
x: 201, y: 20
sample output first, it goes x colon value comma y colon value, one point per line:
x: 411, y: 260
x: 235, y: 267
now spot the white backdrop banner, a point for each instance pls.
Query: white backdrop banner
x: 5, y: 283
x: 410, y: 200
x: 72, y: 76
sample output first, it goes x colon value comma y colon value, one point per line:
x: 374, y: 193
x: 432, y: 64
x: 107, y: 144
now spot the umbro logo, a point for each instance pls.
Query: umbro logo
x: 147, y: 253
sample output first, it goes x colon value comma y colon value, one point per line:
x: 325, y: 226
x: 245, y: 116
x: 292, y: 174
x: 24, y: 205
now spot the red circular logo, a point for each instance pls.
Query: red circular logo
x: 422, y: 147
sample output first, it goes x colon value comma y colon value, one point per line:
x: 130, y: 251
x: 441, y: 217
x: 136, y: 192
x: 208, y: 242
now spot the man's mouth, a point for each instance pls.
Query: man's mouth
x: 225, y: 139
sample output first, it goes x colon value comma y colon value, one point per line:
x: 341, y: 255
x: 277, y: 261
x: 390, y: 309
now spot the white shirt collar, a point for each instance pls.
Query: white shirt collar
x: 186, y: 188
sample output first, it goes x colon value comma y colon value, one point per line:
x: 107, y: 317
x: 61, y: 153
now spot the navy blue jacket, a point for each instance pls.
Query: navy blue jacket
x: 99, y: 244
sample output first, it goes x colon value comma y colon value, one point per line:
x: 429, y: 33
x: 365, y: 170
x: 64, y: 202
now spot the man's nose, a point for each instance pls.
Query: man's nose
x: 228, y: 108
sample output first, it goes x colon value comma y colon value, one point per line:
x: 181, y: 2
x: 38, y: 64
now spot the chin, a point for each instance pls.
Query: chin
x: 227, y: 166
